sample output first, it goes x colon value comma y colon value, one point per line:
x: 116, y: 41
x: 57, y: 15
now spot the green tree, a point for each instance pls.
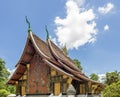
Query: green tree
x: 78, y: 64
x: 4, y: 73
x: 112, y: 90
x: 4, y: 93
x: 112, y: 77
x: 11, y: 89
x: 76, y: 61
x: 94, y: 76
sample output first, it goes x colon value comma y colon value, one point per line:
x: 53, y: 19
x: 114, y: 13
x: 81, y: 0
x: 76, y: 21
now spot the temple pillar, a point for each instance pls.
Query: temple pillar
x: 17, y: 87
x: 89, y: 87
x: 28, y: 67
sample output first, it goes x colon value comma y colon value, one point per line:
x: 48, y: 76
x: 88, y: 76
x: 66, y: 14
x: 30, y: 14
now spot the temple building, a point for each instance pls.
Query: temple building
x: 43, y: 69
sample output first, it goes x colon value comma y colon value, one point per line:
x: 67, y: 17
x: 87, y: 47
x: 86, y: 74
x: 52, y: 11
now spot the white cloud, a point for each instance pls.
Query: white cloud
x: 53, y: 40
x: 106, y: 27
x: 11, y: 72
x: 79, y: 2
x: 106, y: 9
x: 102, y: 77
x: 78, y: 27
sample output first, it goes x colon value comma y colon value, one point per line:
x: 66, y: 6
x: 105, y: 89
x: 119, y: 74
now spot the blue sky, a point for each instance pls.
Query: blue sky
x: 89, y: 28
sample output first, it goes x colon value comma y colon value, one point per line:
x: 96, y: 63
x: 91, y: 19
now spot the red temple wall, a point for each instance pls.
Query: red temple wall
x: 38, y: 76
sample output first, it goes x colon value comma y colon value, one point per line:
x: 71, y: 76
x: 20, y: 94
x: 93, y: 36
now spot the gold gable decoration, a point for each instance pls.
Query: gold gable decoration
x: 53, y: 72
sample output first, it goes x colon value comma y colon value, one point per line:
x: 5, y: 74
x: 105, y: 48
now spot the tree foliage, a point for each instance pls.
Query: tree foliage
x: 78, y: 64
x: 4, y: 73
x: 112, y: 77
x: 112, y: 90
x: 76, y: 61
x: 4, y: 93
x: 94, y: 77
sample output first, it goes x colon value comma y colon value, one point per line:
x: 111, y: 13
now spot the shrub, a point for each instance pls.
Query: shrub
x: 4, y: 93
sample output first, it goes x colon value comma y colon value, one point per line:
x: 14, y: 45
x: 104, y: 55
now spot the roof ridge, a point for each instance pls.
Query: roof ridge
x: 36, y: 46
x: 58, y: 58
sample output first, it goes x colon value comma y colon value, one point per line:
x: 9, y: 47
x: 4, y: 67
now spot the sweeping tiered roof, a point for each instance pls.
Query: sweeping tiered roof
x: 51, y: 55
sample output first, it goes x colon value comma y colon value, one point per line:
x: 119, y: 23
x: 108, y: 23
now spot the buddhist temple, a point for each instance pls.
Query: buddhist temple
x: 44, y: 69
